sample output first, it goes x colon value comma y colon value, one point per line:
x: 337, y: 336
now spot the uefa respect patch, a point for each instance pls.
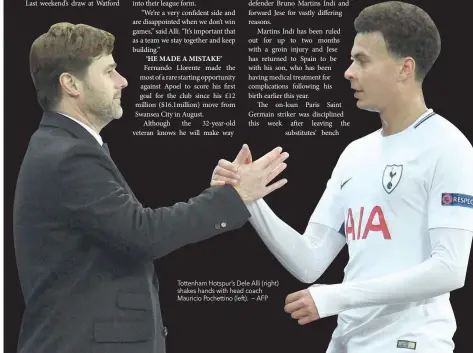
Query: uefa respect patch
x: 462, y: 200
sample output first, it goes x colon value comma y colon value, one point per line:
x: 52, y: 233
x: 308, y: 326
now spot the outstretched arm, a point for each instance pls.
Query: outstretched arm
x: 305, y: 256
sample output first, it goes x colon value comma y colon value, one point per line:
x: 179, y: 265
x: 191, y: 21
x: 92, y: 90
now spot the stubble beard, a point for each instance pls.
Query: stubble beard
x: 102, y: 109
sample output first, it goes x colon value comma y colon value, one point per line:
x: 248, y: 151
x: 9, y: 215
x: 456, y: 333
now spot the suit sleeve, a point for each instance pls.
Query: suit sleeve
x: 98, y: 205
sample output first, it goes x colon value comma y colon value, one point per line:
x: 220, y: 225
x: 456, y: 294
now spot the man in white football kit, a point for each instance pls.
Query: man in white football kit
x: 404, y: 194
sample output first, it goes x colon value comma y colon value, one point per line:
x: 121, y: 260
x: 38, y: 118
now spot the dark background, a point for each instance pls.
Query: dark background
x: 162, y: 171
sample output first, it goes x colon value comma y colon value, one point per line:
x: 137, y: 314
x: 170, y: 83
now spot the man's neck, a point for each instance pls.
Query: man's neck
x: 401, y: 114
x: 77, y: 114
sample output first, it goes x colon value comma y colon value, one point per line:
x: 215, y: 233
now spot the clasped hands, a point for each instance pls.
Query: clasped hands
x: 250, y: 179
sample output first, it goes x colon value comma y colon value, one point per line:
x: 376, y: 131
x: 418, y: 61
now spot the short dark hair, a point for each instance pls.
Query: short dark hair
x: 64, y: 48
x: 407, y: 30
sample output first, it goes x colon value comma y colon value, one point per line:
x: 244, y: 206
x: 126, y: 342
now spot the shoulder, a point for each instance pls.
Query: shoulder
x: 446, y: 148
x: 445, y: 138
x: 361, y: 145
x: 49, y: 148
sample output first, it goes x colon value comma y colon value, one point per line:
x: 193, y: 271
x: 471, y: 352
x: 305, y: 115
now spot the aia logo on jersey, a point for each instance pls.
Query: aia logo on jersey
x: 375, y: 225
x: 391, y: 177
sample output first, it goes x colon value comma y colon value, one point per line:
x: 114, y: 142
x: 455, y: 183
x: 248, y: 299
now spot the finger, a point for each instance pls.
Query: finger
x: 305, y: 320
x: 300, y: 314
x: 269, y: 157
x: 225, y: 180
x: 282, y: 157
x: 217, y: 183
x: 223, y: 163
x: 249, y: 159
x: 274, y: 186
x: 279, y: 169
x: 293, y: 297
x: 224, y: 172
x: 242, y: 155
x: 294, y: 306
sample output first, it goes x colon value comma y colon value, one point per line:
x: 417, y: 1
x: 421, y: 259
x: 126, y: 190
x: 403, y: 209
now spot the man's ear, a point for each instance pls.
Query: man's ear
x: 70, y: 84
x: 407, y: 69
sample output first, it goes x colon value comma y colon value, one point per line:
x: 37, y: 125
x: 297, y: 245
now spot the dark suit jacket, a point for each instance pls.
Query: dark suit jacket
x: 85, y: 245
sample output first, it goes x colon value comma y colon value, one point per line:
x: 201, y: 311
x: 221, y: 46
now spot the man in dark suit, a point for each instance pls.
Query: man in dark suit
x: 84, y: 244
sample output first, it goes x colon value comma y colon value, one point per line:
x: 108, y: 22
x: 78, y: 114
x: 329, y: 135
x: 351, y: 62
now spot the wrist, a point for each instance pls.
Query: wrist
x: 242, y: 195
x: 324, y: 301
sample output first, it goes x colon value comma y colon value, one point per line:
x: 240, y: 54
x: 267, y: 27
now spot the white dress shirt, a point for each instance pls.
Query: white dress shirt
x: 88, y: 128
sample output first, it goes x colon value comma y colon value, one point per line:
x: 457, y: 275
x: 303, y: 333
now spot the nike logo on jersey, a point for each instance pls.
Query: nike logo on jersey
x: 343, y: 184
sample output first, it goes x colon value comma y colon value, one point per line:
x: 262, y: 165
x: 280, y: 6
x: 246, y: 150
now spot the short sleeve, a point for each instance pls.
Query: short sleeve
x: 329, y: 210
x: 450, y: 202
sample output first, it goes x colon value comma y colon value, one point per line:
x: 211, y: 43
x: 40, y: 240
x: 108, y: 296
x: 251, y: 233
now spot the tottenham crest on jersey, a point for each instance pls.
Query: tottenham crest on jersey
x: 391, y: 177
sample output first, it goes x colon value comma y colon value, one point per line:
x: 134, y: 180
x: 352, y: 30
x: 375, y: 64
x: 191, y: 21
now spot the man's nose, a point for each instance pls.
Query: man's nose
x: 349, y: 73
x: 122, y: 82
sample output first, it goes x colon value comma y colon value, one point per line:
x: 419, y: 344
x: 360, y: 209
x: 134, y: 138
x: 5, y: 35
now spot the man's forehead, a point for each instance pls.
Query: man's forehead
x: 368, y: 44
x: 104, y: 60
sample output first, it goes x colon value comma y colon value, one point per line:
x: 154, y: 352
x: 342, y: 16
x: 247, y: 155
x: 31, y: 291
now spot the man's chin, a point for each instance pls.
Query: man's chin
x: 118, y: 114
x: 366, y: 106
x: 360, y: 104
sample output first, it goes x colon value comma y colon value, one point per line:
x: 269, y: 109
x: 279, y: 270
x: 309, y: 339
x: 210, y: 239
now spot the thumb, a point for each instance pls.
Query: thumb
x: 249, y: 159
x: 242, y: 155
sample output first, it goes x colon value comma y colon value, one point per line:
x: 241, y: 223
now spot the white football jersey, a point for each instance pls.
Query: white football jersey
x: 389, y: 191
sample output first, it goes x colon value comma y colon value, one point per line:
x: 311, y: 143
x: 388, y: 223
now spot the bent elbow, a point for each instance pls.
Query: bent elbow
x: 308, y: 280
x: 309, y: 277
x: 456, y: 278
x: 458, y: 281
x: 304, y: 279
x: 301, y: 273
x: 451, y: 274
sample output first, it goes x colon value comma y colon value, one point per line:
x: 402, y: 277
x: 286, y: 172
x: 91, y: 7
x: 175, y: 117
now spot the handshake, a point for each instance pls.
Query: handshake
x: 250, y: 179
